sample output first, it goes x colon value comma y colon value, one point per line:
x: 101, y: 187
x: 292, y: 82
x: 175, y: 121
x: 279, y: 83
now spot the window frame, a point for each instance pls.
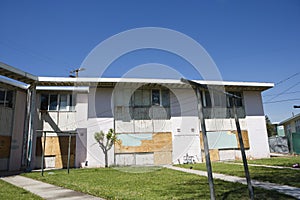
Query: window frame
x: 70, y: 103
x: 7, y: 103
x: 147, y: 104
x: 208, y: 101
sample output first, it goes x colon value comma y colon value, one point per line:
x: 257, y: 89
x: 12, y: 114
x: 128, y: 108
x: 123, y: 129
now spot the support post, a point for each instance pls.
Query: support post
x: 238, y: 128
x: 43, y: 151
x: 205, y: 142
x: 32, y: 112
x: 196, y: 87
x: 69, y: 152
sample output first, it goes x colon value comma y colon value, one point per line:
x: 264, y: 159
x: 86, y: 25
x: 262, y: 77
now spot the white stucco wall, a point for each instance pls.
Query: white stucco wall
x: 100, y: 117
x: 185, y: 125
x: 94, y: 112
x: 255, y: 119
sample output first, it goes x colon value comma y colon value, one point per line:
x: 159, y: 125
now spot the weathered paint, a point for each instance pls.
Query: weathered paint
x: 133, y: 139
x: 222, y: 140
x: 17, y: 132
x: 11, y: 132
x: 93, y: 114
x: 160, y: 142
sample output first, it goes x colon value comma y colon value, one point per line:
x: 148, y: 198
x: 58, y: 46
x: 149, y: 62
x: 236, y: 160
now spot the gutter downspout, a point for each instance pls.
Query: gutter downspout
x: 31, y: 126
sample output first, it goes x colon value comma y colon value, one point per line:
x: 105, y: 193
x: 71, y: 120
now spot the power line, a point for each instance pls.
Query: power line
x: 31, y: 53
x: 269, y: 95
x: 284, y: 100
x: 281, y: 93
x: 286, y: 79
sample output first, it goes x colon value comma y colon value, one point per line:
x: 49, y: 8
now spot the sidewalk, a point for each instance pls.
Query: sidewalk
x: 285, y: 189
x: 45, y: 190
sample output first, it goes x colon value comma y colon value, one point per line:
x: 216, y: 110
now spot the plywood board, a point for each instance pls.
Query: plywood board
x: 160, y: 142
x: 214, y: 155
x: 245, y: 139
x: 163, y: 158
x: 5, y: 143
x: 58, y: 146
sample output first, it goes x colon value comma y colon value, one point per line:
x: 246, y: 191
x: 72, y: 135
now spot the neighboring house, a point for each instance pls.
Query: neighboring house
x: 156, y: 121
x: 291, y: 125
x: 292, y: 131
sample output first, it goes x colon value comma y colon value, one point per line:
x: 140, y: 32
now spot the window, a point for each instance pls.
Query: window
x: 221, y: 100
x: 143, y: 99
x: 55, y: 102
x: 6, y: 98
x: 238, y: 99
x: 155, y: 97
x: 63, y: 102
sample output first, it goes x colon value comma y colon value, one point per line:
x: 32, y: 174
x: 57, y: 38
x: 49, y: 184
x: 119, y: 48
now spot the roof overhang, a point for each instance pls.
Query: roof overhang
x: 16, y: 74
x: 174, y: 83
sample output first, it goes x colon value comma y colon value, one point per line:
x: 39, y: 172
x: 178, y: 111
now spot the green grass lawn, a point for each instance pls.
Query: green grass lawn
x: 155, y: 184
x: 280, y: 176
x: 8, y: 191
x: 277, y: 161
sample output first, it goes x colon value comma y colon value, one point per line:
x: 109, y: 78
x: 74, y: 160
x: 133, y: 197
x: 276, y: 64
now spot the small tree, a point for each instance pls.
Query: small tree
x: 106, y: 142
x: 270, y: 127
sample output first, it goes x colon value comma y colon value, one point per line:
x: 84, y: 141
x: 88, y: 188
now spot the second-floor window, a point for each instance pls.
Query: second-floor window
x: 221, y: 100
x: 144, y: 101
x: 6, y: 98
x: 57, y: 102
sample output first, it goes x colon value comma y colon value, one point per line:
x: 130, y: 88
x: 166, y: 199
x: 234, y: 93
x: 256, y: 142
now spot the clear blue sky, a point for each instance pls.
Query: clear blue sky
x: 248, y: 40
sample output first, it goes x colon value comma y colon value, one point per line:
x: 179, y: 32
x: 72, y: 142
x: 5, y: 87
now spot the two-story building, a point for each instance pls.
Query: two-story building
x: 156, y: 120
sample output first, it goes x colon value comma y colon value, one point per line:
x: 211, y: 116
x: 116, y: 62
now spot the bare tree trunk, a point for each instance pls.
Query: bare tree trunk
x: 106, y: 158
